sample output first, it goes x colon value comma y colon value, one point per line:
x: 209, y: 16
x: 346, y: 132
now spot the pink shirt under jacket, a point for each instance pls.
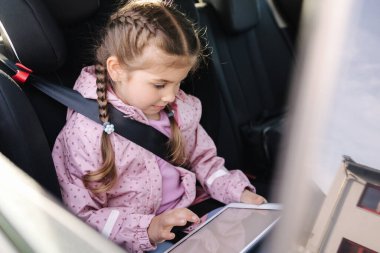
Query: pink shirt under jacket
x: 123, y: 214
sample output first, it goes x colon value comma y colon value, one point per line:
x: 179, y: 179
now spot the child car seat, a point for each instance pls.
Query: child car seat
x: 55, y: 48
x: 32, y: 120
x: 55, y: 44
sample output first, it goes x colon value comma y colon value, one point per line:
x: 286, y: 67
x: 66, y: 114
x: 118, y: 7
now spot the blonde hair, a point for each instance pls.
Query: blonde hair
x: 129, y: 31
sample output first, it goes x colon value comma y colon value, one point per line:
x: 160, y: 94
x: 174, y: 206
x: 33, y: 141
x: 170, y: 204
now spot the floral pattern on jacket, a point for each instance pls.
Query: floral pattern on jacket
x: 123, y: 214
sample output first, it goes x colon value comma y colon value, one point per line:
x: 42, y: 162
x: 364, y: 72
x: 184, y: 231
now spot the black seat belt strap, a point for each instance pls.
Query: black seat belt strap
x: 137, y: 132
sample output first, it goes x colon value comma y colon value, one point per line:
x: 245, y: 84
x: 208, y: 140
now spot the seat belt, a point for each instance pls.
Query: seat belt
x: 135, y: 131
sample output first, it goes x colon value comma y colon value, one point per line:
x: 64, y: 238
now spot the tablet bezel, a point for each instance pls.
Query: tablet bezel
x: 268, y: 206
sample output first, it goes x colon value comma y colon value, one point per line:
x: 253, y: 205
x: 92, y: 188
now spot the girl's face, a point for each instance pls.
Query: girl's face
x: 150, y: 89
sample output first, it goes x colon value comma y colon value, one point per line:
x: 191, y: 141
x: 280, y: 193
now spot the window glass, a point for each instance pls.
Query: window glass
x: 347, y: 246
x: 370, y: 199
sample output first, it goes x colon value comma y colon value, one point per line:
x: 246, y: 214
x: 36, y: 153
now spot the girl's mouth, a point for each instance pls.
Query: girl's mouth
x: 159, y: 106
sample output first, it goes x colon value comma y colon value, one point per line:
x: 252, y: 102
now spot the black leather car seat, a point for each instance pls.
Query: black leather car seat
x: 31, y: 120
x: 252, y: 65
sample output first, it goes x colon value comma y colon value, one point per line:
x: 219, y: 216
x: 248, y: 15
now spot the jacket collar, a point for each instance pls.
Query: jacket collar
x: 86, y: 86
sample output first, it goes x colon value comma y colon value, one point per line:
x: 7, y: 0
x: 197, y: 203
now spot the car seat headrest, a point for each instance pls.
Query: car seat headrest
x: 69, y: 12
x: 236, y: 15
x: 32, y: 34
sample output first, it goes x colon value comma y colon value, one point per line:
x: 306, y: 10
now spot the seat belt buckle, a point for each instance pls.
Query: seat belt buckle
x: 22, y: 73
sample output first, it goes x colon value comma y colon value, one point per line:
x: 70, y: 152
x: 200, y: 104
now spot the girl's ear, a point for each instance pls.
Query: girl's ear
x: 114, y: 68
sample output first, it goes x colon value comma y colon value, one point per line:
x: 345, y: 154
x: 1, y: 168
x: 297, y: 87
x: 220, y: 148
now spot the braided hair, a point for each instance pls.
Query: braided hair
x: 129, y: 31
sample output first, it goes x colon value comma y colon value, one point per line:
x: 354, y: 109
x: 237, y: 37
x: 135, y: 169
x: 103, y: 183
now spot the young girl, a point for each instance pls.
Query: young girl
x: 132, y: 196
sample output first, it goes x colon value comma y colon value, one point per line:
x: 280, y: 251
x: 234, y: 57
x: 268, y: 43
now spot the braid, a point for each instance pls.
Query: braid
x: 133, y: 20
x: 105, y: 176
x: 137, y: 31
x: 101, y: 80
x: 177, y: 156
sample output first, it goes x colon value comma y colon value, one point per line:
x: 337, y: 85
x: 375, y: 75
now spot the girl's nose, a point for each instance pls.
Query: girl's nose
x: 169, y: 96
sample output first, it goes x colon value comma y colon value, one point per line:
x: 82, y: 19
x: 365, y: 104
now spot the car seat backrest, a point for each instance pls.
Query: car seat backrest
x: 32, y: 35
x: 30, y: 120
x: 22, y: 138
x: 255, y: 61
x: 34, y: 31
x: 38, y: 41
x: 70, y: 12
x: 204, y: 85
x: 254, y: 54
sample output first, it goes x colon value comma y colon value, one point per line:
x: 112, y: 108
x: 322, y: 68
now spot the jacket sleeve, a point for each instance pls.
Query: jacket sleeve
x: 222, y: 184
x: 72, y: 158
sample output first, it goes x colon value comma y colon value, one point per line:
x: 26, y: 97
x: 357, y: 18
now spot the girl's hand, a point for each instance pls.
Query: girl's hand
x: 249, y: 197
x: 160, y: 226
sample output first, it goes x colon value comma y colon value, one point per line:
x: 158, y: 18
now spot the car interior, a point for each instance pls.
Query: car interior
x: 243, y: 84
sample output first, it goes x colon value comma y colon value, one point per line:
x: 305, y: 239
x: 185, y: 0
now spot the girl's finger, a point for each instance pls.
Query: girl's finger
x: 179, y: 217
x: 167, y: 235
x: 188, y: 215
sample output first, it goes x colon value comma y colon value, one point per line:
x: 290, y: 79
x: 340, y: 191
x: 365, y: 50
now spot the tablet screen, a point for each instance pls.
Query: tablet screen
x: 233, y: 230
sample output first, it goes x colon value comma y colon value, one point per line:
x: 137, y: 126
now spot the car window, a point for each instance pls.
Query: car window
x: 35, y: 222
x: 335, y: 113
x: 5, y: 244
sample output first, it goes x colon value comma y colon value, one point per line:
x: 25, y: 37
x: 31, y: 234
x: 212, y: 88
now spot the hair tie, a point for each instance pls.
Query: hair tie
x: 170, y: 113
x: 108, y: 127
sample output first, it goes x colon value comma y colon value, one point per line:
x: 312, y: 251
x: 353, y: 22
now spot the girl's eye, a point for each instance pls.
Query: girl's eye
x: 159, y: 86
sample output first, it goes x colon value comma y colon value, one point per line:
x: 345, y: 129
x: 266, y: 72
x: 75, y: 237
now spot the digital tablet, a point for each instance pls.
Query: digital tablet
x: 235, y: 228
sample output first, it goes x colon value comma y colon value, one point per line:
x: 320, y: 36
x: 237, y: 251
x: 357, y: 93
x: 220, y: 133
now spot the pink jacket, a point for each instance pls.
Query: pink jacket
x: 123, y: 214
